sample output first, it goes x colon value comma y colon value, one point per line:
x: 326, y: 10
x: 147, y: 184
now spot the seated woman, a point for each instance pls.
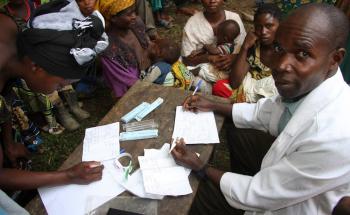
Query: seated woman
x: 250, y: 78
x: 201, y: 30
x: 127, y: 53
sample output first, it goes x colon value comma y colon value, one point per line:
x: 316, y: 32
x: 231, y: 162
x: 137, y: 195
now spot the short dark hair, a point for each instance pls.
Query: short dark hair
x: 269, y: 8
x: 170, y: 50
x: 229, y: 28
x: 337, y: 23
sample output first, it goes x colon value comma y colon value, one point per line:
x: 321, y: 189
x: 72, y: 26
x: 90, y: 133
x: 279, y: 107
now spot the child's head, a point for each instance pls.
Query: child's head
x: 228, y: 30
x: 165, y: 50
x: 86, y: 6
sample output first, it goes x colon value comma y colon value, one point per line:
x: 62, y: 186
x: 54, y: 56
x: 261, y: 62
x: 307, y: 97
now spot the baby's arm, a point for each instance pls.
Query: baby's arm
x: 197, y: 52
x: 212, y: 49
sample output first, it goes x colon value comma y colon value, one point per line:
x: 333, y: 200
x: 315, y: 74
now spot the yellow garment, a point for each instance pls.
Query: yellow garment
x: 109, y: 8
x: 182, y: 76
x: 97, y: 5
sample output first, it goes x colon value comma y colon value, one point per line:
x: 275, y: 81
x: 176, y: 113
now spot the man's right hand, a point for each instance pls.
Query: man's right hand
x: 197, y: 103
x: 85, y: 172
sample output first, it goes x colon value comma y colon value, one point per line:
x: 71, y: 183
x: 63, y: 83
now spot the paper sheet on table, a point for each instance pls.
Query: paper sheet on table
x: 73, y: 199
x: 101, y: 142
x: 135, y: 186
x: 195, y: 128
x: 161, y: 175
x: 171, y: 181
x: 162, y: 153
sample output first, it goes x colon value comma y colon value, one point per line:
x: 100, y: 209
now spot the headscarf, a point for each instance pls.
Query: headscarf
x: 108, y: 8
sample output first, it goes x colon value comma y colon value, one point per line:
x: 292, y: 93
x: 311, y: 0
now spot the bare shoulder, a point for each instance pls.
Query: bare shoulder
x: 8, y: 28
x: 8, y: 35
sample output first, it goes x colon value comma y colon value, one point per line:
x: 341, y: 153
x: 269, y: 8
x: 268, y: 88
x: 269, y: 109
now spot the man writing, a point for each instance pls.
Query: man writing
x: 289, y: 153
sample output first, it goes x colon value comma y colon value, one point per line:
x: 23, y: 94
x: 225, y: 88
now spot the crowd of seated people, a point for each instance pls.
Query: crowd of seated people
x: 56, y: 45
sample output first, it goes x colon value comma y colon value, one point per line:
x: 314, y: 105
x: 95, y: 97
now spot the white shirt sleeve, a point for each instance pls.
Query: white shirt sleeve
x: 253, y: 115
x: 316, y: 165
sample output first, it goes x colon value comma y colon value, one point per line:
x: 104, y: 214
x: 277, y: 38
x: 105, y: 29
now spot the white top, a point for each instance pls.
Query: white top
x: 198, y: 32
x: 307, y: 169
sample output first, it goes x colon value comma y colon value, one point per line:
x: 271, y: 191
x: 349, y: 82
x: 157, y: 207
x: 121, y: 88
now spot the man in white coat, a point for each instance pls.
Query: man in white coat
x: 289, y: 153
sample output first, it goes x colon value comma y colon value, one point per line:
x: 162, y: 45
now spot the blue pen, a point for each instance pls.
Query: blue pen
x: 197, y: 87
x: 122, y: 151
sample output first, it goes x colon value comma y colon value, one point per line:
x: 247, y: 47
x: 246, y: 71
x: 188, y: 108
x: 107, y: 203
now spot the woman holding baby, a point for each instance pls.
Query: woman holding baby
x: 250, y: 77
x: 201, y: 30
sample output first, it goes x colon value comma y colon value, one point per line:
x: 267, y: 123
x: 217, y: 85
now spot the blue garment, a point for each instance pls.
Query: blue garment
x: 165, y: 68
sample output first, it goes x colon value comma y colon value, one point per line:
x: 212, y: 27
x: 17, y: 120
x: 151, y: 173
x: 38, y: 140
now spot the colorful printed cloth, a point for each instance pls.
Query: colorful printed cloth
x: 5, y: 114
x: 257, y: 83
x: 24, y: 130
x: 182, y: 75
x: 288, y: 5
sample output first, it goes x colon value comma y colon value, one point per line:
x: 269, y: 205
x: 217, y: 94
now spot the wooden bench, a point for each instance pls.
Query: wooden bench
x: 165, y: 116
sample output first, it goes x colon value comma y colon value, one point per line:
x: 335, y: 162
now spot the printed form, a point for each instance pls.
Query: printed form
x: 101, y: 143
x: 195, y: 128
x: 161, y: 175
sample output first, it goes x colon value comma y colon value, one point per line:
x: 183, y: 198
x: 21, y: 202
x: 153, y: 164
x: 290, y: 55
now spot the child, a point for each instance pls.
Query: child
x: 163, y: 53
x: 227, y: 32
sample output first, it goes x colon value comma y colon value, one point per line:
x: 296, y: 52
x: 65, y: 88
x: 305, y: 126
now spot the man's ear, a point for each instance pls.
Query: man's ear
x: 336, y: 59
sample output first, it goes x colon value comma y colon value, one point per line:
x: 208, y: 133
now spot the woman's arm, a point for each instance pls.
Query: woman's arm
x: 195, y: 60
x: 240, y: 67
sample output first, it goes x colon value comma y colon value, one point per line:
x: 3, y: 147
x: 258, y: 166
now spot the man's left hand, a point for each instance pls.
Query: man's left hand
x: 185, y: 157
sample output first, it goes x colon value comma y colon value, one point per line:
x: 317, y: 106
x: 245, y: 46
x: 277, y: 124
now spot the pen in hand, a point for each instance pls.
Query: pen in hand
x: 197, y: 87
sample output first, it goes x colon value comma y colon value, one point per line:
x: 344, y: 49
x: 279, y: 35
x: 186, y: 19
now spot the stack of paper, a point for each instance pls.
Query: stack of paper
x: 161, y: 175
x: 195, y: 128
x: 101, y: 143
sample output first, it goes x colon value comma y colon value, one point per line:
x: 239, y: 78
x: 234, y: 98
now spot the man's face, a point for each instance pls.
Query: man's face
x: 302, y: 57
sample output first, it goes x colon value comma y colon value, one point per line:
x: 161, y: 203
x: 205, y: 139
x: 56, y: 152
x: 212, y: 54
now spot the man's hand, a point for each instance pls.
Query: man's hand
x: 85, y: 172
x: 196, y: 103
x: 249, y: 40
x: 14, y: 151
x: 222, y: 62
x: 186, y: 157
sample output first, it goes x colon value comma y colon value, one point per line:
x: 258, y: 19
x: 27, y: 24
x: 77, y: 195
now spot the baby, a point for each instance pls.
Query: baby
x: 227, y: 32
x: 163, y: 54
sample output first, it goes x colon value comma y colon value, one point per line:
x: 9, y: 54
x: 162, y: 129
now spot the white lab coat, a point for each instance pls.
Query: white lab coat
x: 307, y: 168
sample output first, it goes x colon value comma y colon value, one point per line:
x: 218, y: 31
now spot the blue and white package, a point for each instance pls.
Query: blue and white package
x: 133, y: 113
x: 149, y: 109
x: 138, y: 135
